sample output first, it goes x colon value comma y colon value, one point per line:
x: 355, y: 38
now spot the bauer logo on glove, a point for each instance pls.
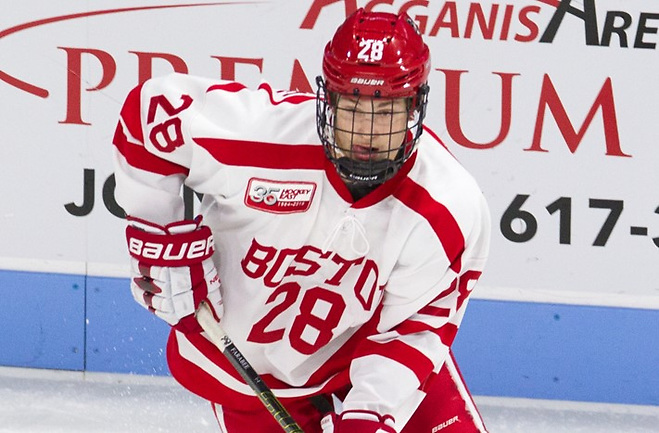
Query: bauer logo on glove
x: 173, y: 270
x: 167, y: 248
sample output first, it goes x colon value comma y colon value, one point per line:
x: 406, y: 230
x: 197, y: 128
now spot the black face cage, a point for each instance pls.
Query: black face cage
x: 381, y: 165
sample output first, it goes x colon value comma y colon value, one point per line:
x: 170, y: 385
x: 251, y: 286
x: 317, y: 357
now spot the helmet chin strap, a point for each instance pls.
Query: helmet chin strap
x: 372, y: 173
x: 361, y: 178
x: 358, y: 184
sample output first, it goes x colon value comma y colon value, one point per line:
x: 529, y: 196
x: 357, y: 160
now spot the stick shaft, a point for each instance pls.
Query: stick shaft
x: 250, y: 376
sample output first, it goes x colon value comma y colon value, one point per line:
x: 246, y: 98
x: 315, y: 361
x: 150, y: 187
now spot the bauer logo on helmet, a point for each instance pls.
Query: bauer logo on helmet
x: 367, y: 81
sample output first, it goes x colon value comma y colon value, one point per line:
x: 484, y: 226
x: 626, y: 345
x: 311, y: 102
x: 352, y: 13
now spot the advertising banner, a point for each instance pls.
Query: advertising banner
x: 552, y: 105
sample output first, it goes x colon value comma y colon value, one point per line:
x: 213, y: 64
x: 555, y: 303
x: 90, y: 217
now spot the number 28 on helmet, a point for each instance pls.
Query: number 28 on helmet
x: 372, y: 96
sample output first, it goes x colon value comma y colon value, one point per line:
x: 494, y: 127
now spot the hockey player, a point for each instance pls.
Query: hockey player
x: 339, y: 244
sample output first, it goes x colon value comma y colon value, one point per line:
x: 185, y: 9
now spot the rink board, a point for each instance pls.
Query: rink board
x: 504, y: 348
x: 551, y: 105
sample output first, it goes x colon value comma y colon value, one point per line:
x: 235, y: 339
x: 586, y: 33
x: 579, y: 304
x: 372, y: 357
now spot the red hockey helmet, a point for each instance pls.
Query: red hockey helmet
x: 376, y: 54
x: 374, y: 58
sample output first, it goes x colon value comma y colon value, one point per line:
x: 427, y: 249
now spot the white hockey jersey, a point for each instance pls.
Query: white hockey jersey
x: 319, y: 291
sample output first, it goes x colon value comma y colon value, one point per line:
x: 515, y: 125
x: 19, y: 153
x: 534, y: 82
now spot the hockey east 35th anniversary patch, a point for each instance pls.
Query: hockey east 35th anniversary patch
x: 279, y: 197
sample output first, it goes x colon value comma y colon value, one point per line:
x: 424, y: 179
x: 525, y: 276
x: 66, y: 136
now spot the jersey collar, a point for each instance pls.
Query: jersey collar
x: 375, y: 196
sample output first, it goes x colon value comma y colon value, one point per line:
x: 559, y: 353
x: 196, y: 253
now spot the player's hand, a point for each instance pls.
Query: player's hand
x: 173, y: 271
x: 354, y: 421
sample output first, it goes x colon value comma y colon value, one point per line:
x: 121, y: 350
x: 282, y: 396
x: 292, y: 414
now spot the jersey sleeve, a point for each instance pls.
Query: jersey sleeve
x: 153, y: 147
x: 423, y: 306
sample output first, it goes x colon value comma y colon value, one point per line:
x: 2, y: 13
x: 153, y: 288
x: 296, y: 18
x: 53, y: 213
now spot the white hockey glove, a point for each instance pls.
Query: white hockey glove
x: 173, y: 271
x: 355, y: 421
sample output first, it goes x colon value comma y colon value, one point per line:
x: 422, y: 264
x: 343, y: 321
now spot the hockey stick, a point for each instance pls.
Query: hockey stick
x: 263, y: 392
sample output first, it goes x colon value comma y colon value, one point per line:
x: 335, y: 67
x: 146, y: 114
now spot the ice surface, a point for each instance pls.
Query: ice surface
x: 46, y: 401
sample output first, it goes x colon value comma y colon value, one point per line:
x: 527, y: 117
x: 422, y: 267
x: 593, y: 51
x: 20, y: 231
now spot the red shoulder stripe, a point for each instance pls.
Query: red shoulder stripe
x: 438, y: 216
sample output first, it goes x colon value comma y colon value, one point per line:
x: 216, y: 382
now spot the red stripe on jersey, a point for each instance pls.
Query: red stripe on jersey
x: 130, y: 113
x: 287, y: 97
x: 447, y: 333
x: 438, y: 216
x: 137, y: 156
x: 403, y: 354
x: 201, y: 382
x: 264, y: 155
x: 283, y: 97
x: 429, y: 310
x: 452, y: 287
x: 412, y: 327
x: 229, y: 87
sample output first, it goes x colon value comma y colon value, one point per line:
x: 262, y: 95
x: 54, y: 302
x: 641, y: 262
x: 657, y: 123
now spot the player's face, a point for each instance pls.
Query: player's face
x: 370, y: 129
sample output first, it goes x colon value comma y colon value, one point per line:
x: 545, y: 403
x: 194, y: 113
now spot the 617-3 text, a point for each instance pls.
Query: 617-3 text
x: 562, y: 207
